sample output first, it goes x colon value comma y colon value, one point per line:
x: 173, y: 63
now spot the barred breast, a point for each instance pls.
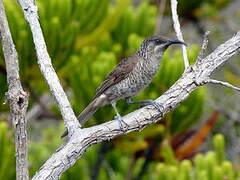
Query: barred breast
x: 137, y: 80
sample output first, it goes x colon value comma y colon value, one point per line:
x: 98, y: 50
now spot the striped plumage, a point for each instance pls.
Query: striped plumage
x: 130, y: 76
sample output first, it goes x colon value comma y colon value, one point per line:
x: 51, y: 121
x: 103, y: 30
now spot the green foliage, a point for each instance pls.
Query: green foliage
x: 203, y: 166
x: 211, y: 166
x: 168, y: 154
x: 203, y: 8
x: 41, y: 149
x: 133, y: 23
x: 171, y: 69
x: 85, y: 39
x: 3, y: 89
x: 7, y: 158
x: 219, y: 145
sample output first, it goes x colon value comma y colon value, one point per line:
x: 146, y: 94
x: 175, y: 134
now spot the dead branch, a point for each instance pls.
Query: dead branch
x: 192, y: 78
x: 81, y: 139
x: 16, y: 97
x: 46, y: 67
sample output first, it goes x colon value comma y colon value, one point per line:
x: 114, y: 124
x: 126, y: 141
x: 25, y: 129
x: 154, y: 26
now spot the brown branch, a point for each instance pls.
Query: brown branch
x: 16, y: 97
x: 191, y: 146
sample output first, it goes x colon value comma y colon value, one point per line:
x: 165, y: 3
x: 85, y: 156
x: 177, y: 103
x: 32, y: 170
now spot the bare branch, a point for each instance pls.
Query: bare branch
x: 81, y: 139
x: 226, y: 84
x: 178, y: 31
x: 44, y: 61
x: 67, y: 155
x: 204, y: 46
x: 17, y: 98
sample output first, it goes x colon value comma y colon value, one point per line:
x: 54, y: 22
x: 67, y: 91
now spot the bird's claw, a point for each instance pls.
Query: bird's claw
x: 155, y: 104
x: 121, y: 123
x: 158, y: 106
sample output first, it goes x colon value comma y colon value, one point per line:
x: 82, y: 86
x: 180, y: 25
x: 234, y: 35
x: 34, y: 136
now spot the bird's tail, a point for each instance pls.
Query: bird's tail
x: 87, y: 113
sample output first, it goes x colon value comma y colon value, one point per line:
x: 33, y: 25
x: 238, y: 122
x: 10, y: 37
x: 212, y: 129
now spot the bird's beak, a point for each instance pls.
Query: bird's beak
x: 170, y: 42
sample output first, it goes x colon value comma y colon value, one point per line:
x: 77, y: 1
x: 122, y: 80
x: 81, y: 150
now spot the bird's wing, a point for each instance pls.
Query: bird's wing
x: 119, y: 73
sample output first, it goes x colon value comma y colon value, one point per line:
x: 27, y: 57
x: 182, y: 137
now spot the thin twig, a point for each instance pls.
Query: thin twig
x: 45, y: 64
x: 16, y: 96
x: 204, y: 46
x: 178, y: 31
x: 226, y: 84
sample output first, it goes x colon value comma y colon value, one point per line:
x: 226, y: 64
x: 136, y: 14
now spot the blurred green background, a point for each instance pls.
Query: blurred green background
x: 85, y: 39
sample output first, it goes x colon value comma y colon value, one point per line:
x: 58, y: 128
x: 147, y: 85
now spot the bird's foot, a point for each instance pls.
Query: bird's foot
x: 155, y: 104
x: 121, y: 123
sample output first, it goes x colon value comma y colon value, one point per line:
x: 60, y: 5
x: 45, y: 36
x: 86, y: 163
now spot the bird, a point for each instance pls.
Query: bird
x: 130, y: 76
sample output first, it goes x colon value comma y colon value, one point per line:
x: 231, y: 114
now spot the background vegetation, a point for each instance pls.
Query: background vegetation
x: 85, y: 39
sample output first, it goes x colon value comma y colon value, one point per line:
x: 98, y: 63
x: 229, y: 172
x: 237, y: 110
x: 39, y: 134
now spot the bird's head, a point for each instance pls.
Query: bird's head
x: 156, y: 45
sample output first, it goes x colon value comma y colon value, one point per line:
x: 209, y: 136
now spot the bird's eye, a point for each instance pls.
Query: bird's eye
x: 160, y: 41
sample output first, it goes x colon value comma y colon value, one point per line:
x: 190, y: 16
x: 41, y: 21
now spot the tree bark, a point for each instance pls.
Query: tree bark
x: 193, y: 77
x: 81, y: 139
x: 16, y: 97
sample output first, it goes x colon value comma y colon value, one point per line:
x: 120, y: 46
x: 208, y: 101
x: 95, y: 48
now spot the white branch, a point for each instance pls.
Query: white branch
x: 226, y: 84
x: 44, y: 61
x: 204, y: 46
x: 67, y: 155
x: 16, y: 96
x: 178, y: 31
